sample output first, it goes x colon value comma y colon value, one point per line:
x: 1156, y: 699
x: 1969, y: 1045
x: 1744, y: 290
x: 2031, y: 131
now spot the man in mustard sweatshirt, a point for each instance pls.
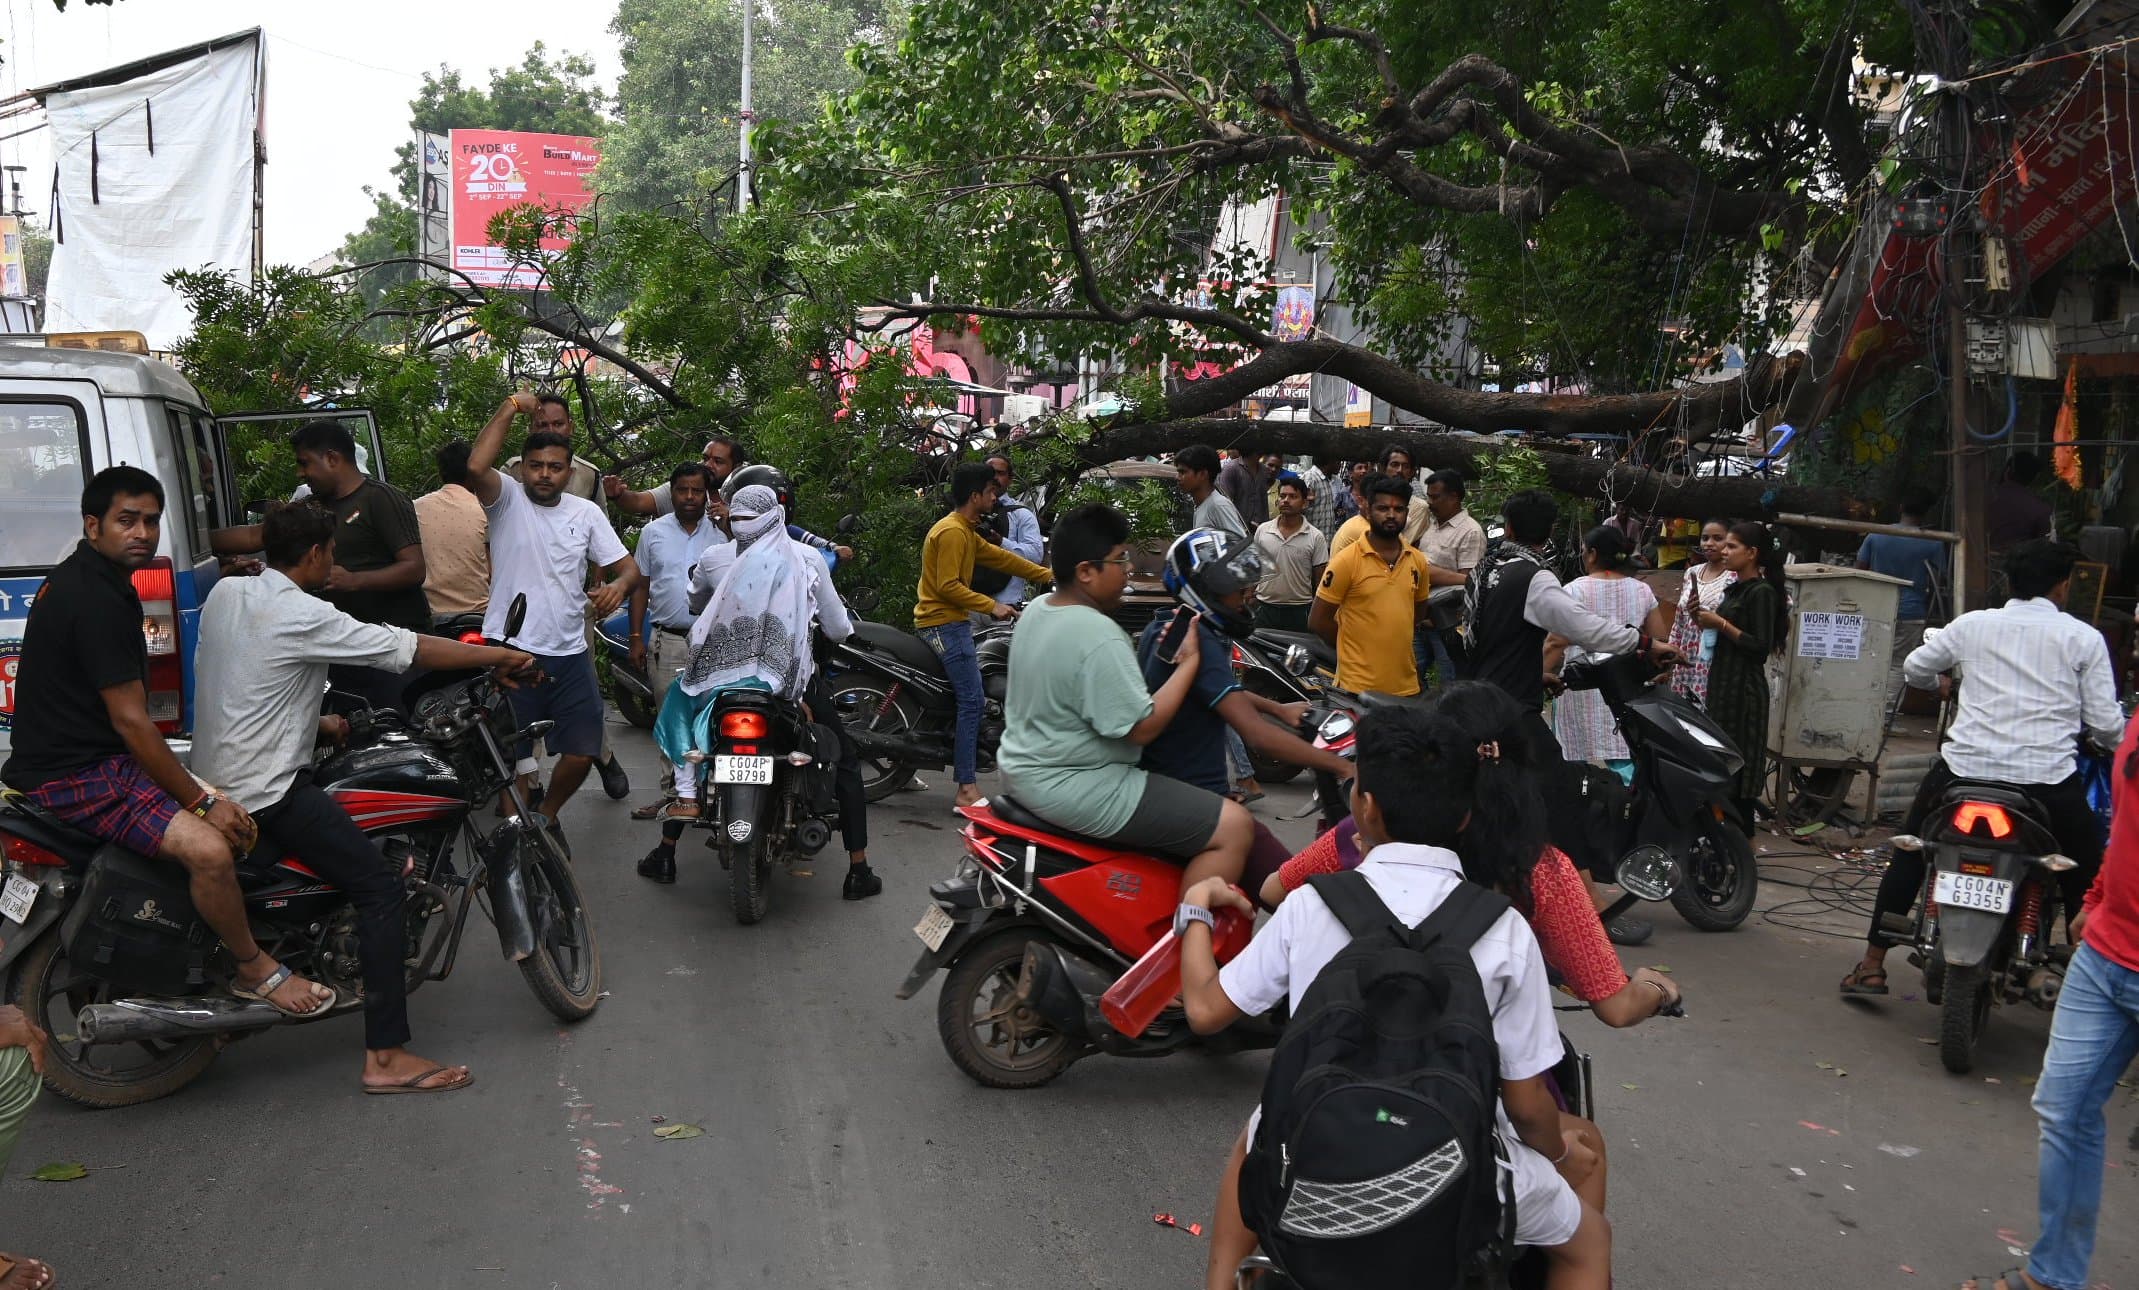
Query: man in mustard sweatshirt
x: 946, y: 596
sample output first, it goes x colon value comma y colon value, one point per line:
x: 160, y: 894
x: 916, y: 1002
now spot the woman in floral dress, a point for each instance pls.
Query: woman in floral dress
x: 1706, y: 581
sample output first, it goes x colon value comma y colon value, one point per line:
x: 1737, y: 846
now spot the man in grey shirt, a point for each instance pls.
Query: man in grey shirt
x: 265, y: 646
x: 1197, y: 466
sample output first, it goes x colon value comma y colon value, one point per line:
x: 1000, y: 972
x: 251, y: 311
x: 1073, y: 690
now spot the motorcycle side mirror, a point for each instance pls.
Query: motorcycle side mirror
x: 1649, y: 872
x: 847, y: 524
x: 1297, y: 660
x: 515, y: 614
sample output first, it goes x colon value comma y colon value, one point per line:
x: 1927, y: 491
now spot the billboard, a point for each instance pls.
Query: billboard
x: 496, y: 170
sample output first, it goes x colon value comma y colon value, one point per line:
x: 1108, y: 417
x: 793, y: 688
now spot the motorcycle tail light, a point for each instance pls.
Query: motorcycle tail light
x: 1993, y: 817
x: 744, y: 750
x: 24, y: 851
x: 743, y: 725
x: 471, y: 638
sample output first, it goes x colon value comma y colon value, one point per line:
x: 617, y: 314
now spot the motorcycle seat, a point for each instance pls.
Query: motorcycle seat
x: 1009, y: 812
x: 906, y: 648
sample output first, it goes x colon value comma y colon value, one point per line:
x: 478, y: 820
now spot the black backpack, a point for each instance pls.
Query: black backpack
x: 1377, y: 1163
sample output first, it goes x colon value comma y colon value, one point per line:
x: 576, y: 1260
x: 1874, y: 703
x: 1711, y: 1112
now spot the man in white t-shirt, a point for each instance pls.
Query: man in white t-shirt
x: 541, y: 541
x: 1405, y: 835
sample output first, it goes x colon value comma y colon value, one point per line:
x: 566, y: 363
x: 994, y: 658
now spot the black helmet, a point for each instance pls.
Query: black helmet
x: 1204, y: 566
x: 770, y: 476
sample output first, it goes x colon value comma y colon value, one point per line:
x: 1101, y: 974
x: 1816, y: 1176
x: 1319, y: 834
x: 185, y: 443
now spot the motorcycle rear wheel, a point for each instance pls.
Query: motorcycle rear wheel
x: 749, y: 866
x: 980, y: 991
x: 1722, y: 878
x: 631, y: 707
x: 1962, y: 1016
x: 878, y: 710
x: 565, y: 971
x: 43, y: 976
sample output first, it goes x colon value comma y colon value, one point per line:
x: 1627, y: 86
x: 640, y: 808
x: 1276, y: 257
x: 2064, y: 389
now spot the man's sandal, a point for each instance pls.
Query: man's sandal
x: 18, y: 1272
x: 1860, y: 981
x: 2007, y: 1280
x: 263, y: 993
x: 415, y: 1083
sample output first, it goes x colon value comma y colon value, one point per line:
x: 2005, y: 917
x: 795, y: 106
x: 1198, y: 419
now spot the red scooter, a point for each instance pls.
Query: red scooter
x: 1034, y: 927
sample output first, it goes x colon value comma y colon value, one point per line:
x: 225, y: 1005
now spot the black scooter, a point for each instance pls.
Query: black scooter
x: 891, y: 691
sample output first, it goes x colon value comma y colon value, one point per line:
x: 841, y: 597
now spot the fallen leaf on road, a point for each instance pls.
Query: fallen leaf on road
x: 673, y: 1132
x: 58, y: 1172
x: 1631, y: 1088
x: 1894, y: 1149
x: 1664, y: 968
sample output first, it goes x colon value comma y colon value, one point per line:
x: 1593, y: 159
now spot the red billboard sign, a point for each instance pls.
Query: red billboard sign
x: 496, y: 170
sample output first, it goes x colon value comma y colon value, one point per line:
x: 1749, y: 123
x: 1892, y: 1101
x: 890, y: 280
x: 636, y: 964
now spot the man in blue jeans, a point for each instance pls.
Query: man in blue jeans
x: 2093, y: 1037
x: 946, y: 597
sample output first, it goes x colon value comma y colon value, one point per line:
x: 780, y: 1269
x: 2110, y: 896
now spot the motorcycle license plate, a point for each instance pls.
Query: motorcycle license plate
x: 742, y: 770
x: 1968, y: 891
x: 16, y: 898
x: 935, y: 926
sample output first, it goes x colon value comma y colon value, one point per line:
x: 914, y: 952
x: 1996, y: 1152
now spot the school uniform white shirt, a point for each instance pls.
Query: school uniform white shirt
x: 1300, y: 940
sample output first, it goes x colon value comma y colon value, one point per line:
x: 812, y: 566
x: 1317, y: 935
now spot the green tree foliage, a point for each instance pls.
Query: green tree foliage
x: 677, y: 135
x: 552, y: 95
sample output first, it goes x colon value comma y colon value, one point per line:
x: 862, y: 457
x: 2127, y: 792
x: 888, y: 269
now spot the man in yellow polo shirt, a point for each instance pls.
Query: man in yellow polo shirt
x: 946, y: 596
x: 1373, y: 596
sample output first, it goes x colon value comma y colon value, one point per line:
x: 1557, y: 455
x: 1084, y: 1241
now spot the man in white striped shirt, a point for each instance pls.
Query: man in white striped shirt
x: 2033, y: 680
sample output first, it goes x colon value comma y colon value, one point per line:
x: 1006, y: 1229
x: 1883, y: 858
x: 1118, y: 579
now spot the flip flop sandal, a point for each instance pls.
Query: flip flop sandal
x: 1859, y: 982
x: 415, y: 1084
x: 35, y: 1272
x: 262, y: 993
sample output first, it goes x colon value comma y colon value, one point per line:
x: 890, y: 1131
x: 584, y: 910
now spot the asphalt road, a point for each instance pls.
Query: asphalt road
x: 842, y: 1149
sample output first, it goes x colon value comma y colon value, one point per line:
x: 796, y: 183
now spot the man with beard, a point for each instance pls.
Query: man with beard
x: 1373, y: 596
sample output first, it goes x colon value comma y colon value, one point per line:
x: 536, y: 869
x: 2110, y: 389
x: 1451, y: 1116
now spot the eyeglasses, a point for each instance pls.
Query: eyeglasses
x: 1123, y: 560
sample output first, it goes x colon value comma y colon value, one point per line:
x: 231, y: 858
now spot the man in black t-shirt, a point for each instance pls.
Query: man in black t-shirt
x: 86, y: 749
x: 378, y: 546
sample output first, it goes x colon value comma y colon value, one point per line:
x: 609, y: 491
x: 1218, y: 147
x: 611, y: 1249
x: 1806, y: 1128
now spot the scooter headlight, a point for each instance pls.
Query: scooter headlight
x: 1700, y: 736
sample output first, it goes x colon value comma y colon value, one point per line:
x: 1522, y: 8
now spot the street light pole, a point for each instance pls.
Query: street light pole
x: 745, y: 174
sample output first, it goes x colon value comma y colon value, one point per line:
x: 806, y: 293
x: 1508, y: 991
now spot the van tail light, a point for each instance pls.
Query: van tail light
x: 743, y: 725
x: 24, y: 851
x: 1990, y: 815
x: 157, y: 586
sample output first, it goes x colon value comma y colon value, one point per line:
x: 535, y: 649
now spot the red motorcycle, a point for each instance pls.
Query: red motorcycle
x: 1034, y: 927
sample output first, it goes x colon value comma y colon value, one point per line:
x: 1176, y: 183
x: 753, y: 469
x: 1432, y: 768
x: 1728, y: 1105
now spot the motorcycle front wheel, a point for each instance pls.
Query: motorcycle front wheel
x: 866, y: 703
x: 51, y: 990
x: 565, y: 971
x: 1722, y: 877
x: 989, y: 1033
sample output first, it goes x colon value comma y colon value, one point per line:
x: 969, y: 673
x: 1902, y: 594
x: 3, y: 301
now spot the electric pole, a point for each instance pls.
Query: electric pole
x: 745, y: 174
x: 1967, y: 467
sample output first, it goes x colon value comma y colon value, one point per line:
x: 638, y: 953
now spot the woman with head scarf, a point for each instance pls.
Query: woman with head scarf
x: 769, y: 593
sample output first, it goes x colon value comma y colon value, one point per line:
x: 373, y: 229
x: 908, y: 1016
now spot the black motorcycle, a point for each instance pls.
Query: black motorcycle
x: 891, y: 690
x: 1990, y: 899
x: 1680, y: 800
x: 768, y: 791
x: 104, y: 950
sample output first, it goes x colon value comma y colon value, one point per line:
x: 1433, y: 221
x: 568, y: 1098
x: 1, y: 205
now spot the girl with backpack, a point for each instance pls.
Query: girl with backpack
x: 1449, y: 1190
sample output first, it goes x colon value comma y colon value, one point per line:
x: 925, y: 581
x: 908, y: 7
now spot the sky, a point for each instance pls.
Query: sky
x: 337, y: 86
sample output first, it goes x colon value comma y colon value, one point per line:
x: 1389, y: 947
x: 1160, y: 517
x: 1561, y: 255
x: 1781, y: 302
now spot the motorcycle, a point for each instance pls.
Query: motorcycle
x: 1258, y: 662
x: 1982, y: 929
x: 892, y: 693
x: 769, y: 792
x: 1033, y: 928
x: 1680, y: 800
x: 630, y: 685
x: 103, y: 948
x: 1644, y: 876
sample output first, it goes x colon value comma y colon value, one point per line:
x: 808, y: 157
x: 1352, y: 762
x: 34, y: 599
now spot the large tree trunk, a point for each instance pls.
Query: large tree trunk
x: 1567, y: 469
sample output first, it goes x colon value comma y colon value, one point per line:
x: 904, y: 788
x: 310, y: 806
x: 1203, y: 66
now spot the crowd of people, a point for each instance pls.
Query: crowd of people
x: 1142, y: 743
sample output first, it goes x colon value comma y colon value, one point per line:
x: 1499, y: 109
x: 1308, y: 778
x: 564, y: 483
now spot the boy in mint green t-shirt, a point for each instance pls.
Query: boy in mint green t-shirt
x: 1078, y: 715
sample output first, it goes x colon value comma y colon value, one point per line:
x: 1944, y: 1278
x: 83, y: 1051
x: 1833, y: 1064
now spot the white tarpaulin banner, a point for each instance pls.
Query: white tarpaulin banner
x: 154, y: 172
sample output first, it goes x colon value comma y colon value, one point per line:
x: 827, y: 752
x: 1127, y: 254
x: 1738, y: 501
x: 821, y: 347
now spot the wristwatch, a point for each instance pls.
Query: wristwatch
x: 205, y: 805
x: 1186, y: 914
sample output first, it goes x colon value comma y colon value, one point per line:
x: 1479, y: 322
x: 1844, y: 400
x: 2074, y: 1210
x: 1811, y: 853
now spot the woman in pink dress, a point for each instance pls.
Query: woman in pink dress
x: 1586, y: 729
x: 1706, y: 581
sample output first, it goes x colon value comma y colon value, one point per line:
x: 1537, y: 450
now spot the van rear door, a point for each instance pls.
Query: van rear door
x: 258, y: 465
x: 51, y: 434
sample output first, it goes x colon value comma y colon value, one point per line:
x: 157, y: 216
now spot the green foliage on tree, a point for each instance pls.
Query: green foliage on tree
x: 678, y: 132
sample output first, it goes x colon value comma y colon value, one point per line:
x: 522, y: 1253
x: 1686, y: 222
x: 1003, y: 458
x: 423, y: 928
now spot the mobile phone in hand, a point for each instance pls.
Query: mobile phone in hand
x: 1184, y: 620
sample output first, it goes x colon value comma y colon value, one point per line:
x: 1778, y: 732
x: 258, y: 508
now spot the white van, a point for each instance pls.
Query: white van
x: 65, y: 414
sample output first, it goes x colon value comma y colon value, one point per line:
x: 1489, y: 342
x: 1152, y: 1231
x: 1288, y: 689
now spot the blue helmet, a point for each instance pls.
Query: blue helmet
x: 1205, y: 566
